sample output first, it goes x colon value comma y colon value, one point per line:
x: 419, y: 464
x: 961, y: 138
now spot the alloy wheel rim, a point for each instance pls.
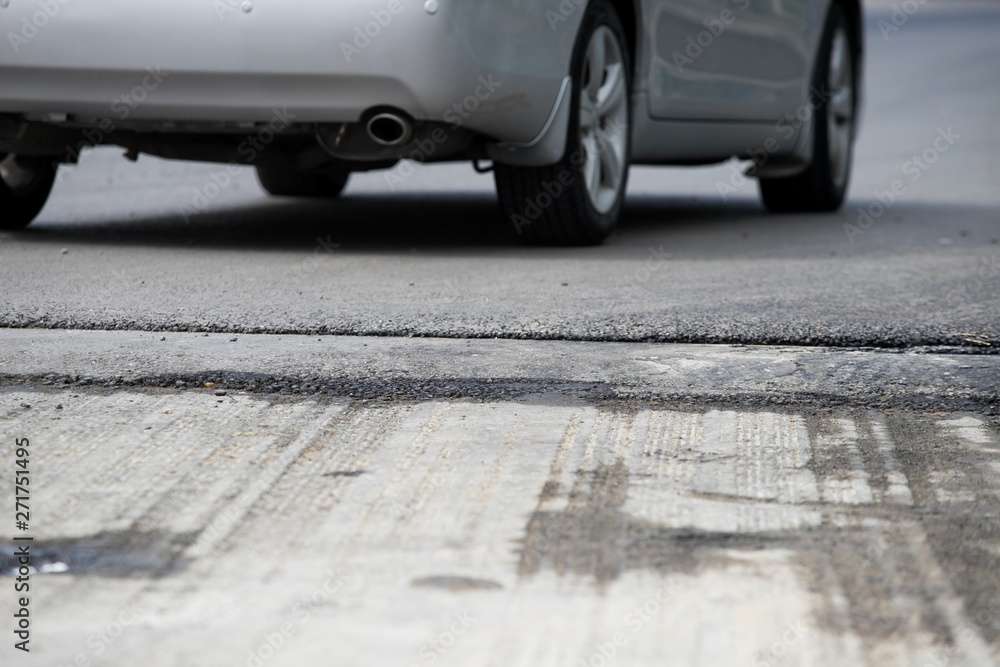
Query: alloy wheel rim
x: 604, y: 119
x: 840, y: 117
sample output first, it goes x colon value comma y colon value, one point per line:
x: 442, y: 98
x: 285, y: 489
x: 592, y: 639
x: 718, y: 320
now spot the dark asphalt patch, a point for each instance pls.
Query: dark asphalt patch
x: 538, y: 390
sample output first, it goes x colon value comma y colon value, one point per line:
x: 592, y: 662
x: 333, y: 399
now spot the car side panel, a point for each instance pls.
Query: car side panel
x: 728, y: 60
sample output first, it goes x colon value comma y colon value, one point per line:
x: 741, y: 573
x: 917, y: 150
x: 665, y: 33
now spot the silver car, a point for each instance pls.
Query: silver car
x: 556, y: 97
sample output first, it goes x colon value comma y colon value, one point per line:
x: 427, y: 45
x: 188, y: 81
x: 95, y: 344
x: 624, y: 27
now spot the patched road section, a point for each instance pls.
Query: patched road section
x: 208, y: 526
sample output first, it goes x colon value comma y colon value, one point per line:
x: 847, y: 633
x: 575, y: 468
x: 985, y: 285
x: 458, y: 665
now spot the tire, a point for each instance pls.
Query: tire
x: 578, y: 200
x: 823, y: 185
x: 284, y: 182
x: 24, y: 188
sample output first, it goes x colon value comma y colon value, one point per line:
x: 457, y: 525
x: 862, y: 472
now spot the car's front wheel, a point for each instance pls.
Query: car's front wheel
x: 25, y: 184
x: 285, y: 182
x: 822, y: 186
x: 577, y: 201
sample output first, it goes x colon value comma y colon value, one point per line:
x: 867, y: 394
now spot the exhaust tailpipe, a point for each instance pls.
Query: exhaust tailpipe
x: 389, y: 128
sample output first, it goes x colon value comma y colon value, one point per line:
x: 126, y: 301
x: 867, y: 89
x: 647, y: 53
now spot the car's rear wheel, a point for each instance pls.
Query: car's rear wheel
x: 25, y: 184
x: 822, y: 186
x: 577, y: 201
x: 285, y: 182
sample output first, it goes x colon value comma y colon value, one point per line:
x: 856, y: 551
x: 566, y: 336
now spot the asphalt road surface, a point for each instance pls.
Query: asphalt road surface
x: 281, y: 433
x: 113, y: 250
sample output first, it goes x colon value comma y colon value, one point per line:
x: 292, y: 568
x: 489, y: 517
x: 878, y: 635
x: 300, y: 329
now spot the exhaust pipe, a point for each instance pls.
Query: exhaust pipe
x: 389, y: 128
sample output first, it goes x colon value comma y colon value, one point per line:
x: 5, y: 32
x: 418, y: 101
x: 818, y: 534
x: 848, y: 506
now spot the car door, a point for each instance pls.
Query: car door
x: 728, y: 59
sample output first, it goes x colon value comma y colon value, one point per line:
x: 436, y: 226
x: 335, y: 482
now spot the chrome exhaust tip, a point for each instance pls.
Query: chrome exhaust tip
x: 388, y: 128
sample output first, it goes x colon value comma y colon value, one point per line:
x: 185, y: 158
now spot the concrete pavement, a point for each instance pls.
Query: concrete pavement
x: 501, y: 502
x: 179, y: 527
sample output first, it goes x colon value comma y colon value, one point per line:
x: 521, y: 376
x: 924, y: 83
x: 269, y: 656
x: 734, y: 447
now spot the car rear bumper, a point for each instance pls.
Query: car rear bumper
x: 494, y: 70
